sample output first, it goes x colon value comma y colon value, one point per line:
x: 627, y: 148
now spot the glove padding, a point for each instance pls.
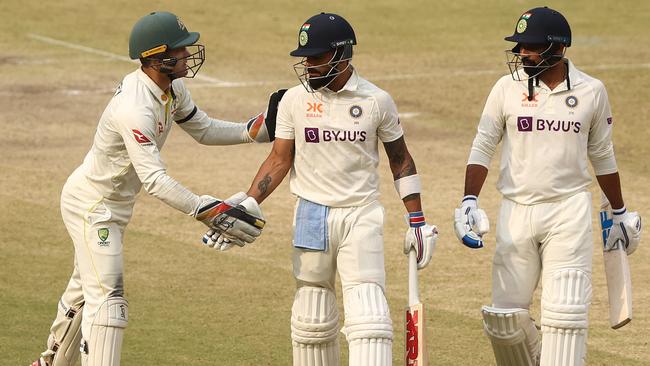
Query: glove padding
x: 626, y: 230
x: 470, y: 223
x: 240, y: 217
x: 421, y: 237
x: 261, y: 128
x: 222, y: 242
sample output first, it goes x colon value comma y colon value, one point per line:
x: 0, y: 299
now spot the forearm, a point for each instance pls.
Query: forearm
x: 209, y: 131
x: 474, y: 178
x: 268, y: 178
x: 412, y: 202
x: 610, y: 184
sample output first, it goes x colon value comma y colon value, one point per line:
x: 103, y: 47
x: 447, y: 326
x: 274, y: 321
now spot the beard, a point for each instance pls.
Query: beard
x: 320, y: 81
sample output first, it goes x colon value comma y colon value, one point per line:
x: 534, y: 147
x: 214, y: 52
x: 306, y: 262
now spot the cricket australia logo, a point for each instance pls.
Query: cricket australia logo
x: 103, y: 234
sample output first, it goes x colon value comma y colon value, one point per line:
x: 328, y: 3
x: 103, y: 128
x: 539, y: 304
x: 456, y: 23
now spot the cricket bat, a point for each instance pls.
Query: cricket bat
x: 416, y: 351
x: 617, y: 272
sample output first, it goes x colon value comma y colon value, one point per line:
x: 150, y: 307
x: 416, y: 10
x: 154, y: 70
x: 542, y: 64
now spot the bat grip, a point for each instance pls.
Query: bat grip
x: 414, y: 297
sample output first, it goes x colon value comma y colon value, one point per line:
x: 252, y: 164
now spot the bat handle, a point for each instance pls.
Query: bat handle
x: 414, y: 297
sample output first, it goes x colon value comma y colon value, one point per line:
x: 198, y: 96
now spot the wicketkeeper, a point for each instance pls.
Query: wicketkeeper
x: 97, y: 199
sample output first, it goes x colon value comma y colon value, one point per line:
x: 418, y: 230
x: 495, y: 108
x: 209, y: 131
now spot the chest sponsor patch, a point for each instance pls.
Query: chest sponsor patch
x: 314, y: 109
x: 530, y: 124
x: 316, y: 135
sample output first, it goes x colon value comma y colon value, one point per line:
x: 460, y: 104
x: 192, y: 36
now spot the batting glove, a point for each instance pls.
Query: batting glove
x: 220, y: 241
x: 239, y: 216
x: 626, y: 230
x: 470, y: 223
x: 421, y: 237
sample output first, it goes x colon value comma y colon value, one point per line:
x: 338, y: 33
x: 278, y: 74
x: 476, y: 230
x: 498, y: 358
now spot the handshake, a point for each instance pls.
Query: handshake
x: 236, y: 221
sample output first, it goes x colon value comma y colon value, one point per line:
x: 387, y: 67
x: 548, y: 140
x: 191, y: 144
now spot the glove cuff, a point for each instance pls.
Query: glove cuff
x: 416, y: 219
x: 470, y: 201
x: 619, y: 214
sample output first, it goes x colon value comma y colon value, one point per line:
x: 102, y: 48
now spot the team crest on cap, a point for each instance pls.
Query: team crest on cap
x: 180, y: 23
x: 303, y: 38
x: 522, y: 25
x: 356, y: 111
x: 571, y: 101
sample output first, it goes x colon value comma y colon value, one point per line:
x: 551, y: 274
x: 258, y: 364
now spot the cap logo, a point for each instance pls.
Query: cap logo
x: 331, y: 17
x: 526, y: 16
x: 305, y: 26
x: 522, y: 25
x: 303, y: 38
x: 181, y: 26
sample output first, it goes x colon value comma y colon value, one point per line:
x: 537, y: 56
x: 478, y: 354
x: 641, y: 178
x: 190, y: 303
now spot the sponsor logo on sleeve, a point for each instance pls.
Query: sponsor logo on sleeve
x: 141, y: 138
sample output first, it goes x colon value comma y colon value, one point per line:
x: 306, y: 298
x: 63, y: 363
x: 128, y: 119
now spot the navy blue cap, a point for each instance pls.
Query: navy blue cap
x: 541, y: 26
x: 323, y: 32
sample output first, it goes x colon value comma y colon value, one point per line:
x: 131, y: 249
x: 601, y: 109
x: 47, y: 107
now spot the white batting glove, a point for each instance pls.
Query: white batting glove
x: 470, y: 223
x: 421, y: 237
x: 219, y: 241
x: 239, y: 216
x: 626, y: 230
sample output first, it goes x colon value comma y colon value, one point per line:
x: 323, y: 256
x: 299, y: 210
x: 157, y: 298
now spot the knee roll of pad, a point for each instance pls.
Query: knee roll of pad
x: 366, y: 313
x: 314, y: 327
x: 565, y: 300
x: 103, y: 346
x: 565, y: 306
x: 513, y: 335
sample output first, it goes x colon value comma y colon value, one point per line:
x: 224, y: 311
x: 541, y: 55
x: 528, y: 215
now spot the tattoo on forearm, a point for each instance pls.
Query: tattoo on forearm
x: 263, y: 185
x: 407, y: 169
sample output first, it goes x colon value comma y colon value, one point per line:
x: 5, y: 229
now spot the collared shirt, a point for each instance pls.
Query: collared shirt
x: 133, y: 129
x: 336, y: 138
x: 548, y: 140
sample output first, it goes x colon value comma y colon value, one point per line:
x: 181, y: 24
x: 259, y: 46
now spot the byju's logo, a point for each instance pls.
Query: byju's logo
x: 525, y: 124
x: 312, y: 134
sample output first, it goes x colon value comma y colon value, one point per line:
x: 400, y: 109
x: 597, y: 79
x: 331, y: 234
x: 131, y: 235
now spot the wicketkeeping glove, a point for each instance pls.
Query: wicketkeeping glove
x: 239, y: 216
x: 470, y: 223
x: 626, y: 230
x: 420, y: 236
x: 261, y: 128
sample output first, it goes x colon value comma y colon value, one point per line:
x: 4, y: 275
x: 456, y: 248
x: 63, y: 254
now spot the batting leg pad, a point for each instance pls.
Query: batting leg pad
x: 63, y: 342
x: 513, y: 335
x: 314, y: 327
x: 103, y: 346
x: 368, y: 327
x: 565, y: 305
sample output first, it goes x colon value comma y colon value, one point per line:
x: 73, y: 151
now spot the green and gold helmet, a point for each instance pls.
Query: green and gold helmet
x: 157, y: 33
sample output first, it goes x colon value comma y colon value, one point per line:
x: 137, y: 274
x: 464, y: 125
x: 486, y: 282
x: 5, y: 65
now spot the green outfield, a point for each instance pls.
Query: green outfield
x: 192, y: 306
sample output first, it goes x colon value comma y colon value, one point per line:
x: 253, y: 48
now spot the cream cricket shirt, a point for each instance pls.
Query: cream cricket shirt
x: 546, y: 141
x: 133, y: 128
x: 336, y: 136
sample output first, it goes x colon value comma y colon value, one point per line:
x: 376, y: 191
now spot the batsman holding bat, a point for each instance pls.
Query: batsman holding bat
x: 327, y: 135
x: 552, y: 119
x: 97, y: 199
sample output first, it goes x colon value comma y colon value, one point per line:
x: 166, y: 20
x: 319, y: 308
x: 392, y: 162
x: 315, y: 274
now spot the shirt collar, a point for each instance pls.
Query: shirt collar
x: 155, y: 90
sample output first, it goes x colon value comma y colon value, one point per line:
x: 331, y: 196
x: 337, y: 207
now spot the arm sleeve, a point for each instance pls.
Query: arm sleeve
x: 490, y: 128
x: 389, y: 128
x: 284, y: 126
x: 600, y: 147
x: 137, y: 131
x: 203, y: 129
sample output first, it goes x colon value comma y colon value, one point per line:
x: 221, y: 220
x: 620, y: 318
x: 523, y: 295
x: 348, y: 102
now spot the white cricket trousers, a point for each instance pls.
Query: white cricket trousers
x: 96, y: 227
x: 356, y: 250
x: 540, y: 239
